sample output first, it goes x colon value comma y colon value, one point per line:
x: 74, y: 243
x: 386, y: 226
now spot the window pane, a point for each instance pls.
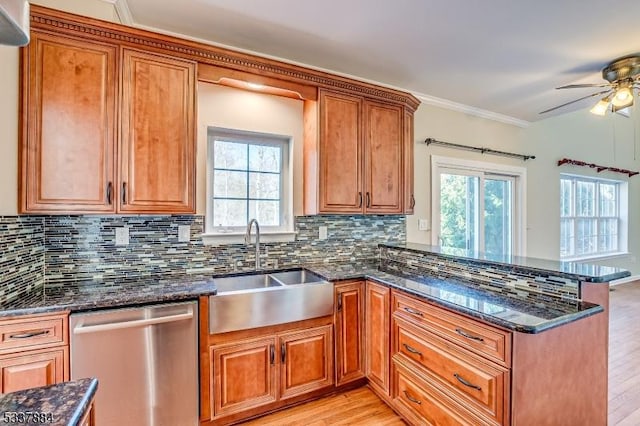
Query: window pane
x: 497, y: 216
x: 264, y: 158
x: 586, y: 236
x: 267, y: 212
x: 608, y: 237
x: 264, y: 185
x: 227, y: 184
x: 565, y: 197
x: 230, y: 155
x: 229, y: 212
x: 608, y: 199
x: 566, y: 237
x: 458, y: 211
x: 585, y: 198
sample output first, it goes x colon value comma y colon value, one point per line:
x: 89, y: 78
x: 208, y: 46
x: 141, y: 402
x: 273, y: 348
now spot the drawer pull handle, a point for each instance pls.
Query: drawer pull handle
x: 414, y: 312
x: 27, y: 335
x: 469, y: 336
x: 412, y: 350
x: 464, y: 382
x: 412, y: 399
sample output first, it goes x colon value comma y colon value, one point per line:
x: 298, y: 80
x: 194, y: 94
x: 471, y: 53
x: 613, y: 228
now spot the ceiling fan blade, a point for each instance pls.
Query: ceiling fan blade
x: 576, y: 100
x: 579, y: 86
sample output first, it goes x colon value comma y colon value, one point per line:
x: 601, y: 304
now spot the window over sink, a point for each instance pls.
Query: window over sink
x: 248, y: 176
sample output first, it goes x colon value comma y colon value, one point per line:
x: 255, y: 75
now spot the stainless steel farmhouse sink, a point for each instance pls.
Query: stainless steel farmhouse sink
x: 261, y: 299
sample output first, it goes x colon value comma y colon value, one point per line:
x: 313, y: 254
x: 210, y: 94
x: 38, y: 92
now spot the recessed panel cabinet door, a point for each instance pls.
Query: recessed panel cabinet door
x: 158, y: 138
x: 32, y: 370
x: 340, y: 153
x: 349, y: 332
x: 69, y: 113
x: 383, y: 162
x: 377, y: 329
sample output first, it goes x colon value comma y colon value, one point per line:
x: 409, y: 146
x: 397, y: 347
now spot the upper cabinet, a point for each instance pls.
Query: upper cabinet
x: 357, y: 157
x: 157, y: 151
x: 69, y: 125
x: 108, y: 118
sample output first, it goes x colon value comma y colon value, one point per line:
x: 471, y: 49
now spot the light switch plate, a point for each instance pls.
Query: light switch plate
x: 184, y: 233
x: 122, y: 236
x: 322, y: 233
x: 423, y: 225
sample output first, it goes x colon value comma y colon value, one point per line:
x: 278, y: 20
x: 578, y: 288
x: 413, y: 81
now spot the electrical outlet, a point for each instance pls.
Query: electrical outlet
x: 322, y: 233
x: 423, y: 225
x: 122, y: 236
x: 184, y: 233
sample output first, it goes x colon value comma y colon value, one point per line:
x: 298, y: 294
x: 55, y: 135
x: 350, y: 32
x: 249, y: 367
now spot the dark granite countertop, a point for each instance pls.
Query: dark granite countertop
x: 573, y: 270
x: 77, y: 296
x: 522, y: 311
x: 61, y: 404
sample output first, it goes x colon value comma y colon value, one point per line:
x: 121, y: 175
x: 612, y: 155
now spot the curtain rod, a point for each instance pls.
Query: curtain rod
x: 523, y: 157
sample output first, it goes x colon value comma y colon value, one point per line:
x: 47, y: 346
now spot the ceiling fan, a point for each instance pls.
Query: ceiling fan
x: 623, y: 76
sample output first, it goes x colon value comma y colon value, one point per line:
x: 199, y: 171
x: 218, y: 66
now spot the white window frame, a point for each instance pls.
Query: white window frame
x: 235, y: 234
x: 623, y: 216
x: 484, y: 170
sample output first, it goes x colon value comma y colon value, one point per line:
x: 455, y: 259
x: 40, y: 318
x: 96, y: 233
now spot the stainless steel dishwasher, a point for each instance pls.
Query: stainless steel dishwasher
x: 146, y: 362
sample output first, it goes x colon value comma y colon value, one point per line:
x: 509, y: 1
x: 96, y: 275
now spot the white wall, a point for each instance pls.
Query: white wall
x: 9, y: 101
x: 220, y: 106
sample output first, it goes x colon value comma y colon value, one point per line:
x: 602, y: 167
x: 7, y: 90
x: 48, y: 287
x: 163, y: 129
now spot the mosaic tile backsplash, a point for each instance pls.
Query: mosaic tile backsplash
x: 505, y: 280
x: 83, y: 247
x: 22, y: 250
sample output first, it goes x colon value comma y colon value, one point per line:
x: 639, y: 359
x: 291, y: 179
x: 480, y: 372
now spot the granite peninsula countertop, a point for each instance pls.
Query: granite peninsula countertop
x: 77, y: 296
x: 568, y: 269
x: 60, y: 404
x: 522, y: 311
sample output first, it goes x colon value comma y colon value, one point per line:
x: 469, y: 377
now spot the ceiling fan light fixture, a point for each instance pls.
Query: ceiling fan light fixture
x: 601, y: 107
x: 623, y: 97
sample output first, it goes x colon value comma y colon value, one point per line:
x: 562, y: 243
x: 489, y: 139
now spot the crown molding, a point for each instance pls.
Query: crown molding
x: 122, y: 10
x: 478, y: 112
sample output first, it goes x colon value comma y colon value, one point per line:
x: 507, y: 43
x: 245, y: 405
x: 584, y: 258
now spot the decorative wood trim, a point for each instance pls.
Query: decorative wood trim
x: 61, y: 22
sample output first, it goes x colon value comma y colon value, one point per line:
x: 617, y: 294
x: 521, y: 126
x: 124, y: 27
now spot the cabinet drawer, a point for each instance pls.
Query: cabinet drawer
x: 32, y: 333
x: 422, y: 403
x: 484, y: 340
x: 479, y: 382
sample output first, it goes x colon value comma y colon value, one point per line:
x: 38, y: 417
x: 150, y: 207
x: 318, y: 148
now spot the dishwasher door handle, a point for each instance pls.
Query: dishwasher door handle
x: 82, y: 329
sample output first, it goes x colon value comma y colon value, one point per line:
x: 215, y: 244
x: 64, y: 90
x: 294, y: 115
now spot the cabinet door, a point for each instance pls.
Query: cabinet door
x: 349, y: 332
x: 158, y: 139
x: 307, y: 361
x: 409, y: 201
x: 32, y: 369
x: 377, y: 345
x: 244, y: 375
x: 340, y: 172
x: 68, y: 136
x: 383, y: 158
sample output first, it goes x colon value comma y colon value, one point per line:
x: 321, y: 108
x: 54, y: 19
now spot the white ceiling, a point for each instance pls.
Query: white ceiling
x: 504, y: 56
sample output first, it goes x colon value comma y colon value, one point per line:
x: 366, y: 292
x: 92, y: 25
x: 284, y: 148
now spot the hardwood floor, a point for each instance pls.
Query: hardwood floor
x: 624, y: 355
x: 356, y: 407
x: 362, y: 407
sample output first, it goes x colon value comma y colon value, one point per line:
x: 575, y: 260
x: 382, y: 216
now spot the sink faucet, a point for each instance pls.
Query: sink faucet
x: 247, y: 239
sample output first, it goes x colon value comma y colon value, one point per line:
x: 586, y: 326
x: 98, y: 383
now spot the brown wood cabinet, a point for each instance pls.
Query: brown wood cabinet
x: 266, y: 370
x: 157, y: 150
x: 355, y: 159
x: 377, y: 349
x: 69, y: 88
x: 408, y: 163
x: 244, y: 375
x: 349, y: 331
x: 34, y: 351
x: 307, y: 361
x: 84, y: 150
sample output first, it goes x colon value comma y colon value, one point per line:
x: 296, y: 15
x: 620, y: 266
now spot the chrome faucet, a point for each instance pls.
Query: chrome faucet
x: 247, y: 239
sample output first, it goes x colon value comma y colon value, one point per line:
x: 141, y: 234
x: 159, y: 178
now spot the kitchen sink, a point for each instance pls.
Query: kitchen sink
x: 261, y: 299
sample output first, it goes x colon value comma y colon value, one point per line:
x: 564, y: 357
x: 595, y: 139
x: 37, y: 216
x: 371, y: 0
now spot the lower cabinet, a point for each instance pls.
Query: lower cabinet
x: 32, y: 369
x: 377, y: 346
x: 252, y: 373
x: 349, y: 331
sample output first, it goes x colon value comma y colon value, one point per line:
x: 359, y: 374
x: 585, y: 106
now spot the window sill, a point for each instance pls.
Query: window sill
x: 210, y: 239
x: 597, y: 257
